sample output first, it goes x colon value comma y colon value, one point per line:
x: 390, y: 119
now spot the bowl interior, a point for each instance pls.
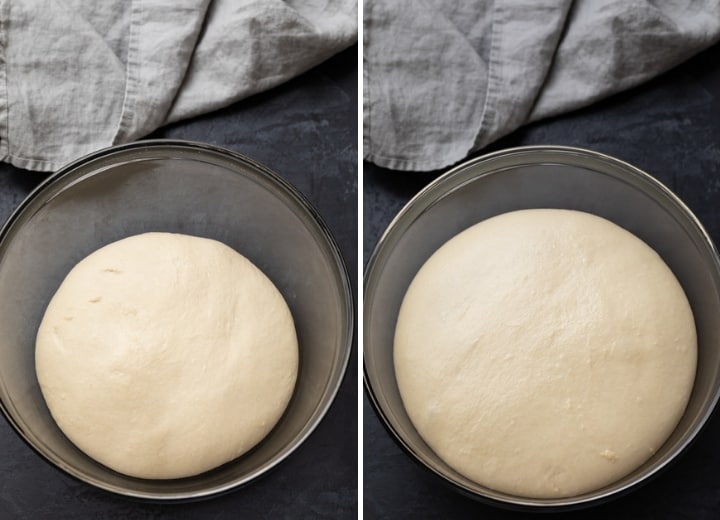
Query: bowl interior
x: 540, y: 178
x: 179, y: 188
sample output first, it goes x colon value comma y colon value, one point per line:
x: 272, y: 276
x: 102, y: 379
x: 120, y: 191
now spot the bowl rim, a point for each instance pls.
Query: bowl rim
x: 339, y: 264
x: 508, y: 501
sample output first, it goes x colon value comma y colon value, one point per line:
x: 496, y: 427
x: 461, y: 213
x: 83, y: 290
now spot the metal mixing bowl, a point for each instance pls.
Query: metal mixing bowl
x: 540, y: 177
x: 187, y: 188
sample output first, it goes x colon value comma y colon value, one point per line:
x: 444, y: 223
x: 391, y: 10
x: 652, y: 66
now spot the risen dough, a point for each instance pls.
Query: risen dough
x: 545, y: 353
x: 165, y: 355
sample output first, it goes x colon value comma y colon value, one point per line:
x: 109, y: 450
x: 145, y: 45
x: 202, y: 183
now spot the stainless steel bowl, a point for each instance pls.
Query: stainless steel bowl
x: 186, y: 188
x: 540, y: 177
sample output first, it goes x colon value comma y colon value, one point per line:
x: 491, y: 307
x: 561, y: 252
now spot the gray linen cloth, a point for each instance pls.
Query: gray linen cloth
x: 78, y: 75
x: 443, y: 79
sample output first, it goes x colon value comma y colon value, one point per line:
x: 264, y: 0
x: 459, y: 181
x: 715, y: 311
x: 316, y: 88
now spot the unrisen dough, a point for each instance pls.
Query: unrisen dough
x: 165, y: 355
x: 545, y: 353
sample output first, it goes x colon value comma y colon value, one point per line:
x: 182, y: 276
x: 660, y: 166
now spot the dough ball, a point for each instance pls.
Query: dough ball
x: 165, y: 355
x: 545, y: 353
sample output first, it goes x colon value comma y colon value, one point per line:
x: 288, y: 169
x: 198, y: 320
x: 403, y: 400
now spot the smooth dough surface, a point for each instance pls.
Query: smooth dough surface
x: 545, y: 353
x: 165, y: 355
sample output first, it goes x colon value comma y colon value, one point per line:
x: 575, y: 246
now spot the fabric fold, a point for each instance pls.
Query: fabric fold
x: 412, y: 105
x: 261, y: 44
x: 524, y: 38
x: 160, y: 48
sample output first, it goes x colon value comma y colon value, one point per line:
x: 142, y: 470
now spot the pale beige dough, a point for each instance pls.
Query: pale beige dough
x: 165, y: 355
x: 545, y: 353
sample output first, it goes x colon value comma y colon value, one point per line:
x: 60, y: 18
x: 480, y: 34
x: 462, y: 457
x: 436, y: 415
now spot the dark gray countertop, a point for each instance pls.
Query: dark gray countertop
x: 305, y: 130
x: 670, y: 128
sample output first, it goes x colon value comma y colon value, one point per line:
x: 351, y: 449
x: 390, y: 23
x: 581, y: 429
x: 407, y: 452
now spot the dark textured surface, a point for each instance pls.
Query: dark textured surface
x: 670, y: 128
x: 305, y: 130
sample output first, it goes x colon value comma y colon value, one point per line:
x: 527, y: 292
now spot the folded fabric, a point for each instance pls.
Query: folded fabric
x: 444, y: 79
x: 78, y: 75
